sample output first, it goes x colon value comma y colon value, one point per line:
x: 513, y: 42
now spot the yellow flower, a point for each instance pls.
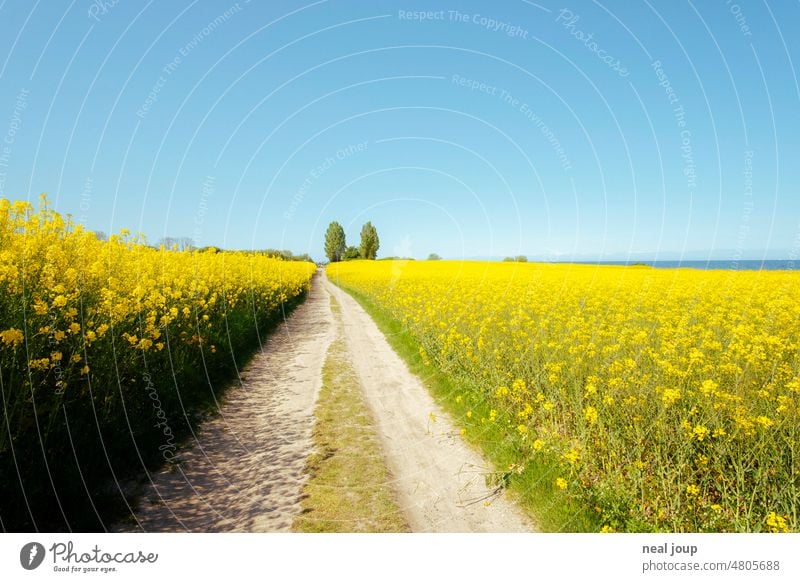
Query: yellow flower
x: 522, y: 429
x: 590, y: 413
x: 561, y: 483
x: 12, y: 337
x: 709, y: 387
x: 39, y: 364
x: 573, y: 456
x: 692, y: 490
x: 670, y: 396
x: 765, y: 421
x: 538, y: 445
x: 525, y: 412
x: 777, y: 523
x: 699, y: 432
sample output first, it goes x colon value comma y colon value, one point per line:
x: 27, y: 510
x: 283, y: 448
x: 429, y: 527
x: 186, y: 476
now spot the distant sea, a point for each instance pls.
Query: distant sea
x: 748, y: 265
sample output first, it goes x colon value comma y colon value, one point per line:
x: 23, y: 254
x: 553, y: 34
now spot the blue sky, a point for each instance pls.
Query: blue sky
x: 570, y: 129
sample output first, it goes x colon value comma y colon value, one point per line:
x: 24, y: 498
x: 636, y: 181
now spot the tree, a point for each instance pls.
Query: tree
x: 369, y: 242
x: 351, y: 253
x: 521, y: 259
x: 434, y: 257
x: 335, y: 243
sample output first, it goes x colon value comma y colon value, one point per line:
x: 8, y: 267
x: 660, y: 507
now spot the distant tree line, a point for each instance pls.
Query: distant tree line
x: 286, y: 255
x: 184, y: 243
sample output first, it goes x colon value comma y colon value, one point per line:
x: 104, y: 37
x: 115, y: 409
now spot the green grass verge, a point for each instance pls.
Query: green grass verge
x: 533, y: 488
x: 350, y: 487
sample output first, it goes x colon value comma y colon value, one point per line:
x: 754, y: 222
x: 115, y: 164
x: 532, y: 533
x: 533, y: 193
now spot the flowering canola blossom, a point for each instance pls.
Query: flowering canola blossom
x: 669, y: 397
x: 117, y: 332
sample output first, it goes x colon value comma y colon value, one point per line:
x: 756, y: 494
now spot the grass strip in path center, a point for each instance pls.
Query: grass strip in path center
x: 350, y: 488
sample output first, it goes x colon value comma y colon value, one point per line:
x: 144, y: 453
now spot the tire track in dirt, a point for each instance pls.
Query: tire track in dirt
x: 246, y: 469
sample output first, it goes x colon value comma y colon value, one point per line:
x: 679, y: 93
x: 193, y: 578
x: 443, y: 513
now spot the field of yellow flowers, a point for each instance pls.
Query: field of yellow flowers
x: 658, y: 399
x: 108, y: 349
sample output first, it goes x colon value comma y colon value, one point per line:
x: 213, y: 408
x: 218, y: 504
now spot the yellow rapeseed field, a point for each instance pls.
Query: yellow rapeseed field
x: 107, y: 342
x: 65, y: 291
x: 666, y: 399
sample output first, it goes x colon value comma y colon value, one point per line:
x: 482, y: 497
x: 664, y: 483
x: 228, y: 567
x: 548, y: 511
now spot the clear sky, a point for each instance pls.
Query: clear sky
x: 573, y: 129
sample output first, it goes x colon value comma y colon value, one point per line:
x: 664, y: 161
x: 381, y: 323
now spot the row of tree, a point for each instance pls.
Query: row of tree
x: 336, y: 248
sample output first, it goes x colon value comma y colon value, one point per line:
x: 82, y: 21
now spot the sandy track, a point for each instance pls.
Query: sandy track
x: 439, y: 479
x: 246, y: 469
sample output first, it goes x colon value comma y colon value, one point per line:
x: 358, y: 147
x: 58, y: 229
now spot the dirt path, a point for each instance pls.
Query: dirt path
x: 247, y: 468
x: 439, y: 479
